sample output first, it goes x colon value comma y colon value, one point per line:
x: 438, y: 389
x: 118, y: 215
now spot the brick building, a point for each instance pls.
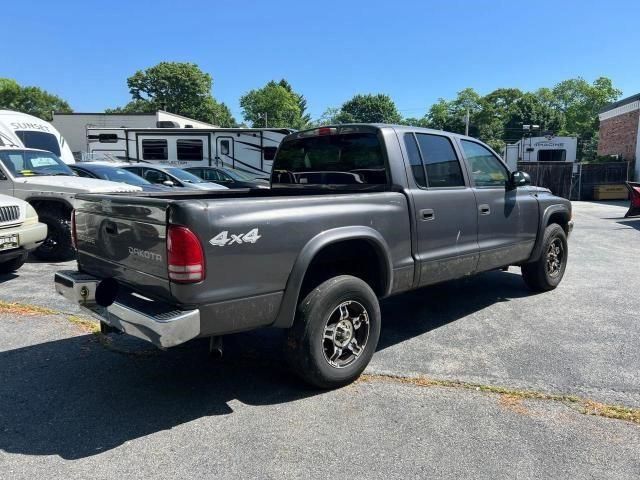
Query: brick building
x: 620, y: 130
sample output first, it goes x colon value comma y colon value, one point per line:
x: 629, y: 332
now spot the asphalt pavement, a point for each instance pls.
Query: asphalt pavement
x: 76, y: 405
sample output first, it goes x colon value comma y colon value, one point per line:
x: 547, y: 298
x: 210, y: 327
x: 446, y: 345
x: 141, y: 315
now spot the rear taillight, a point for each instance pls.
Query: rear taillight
x: 184, y: 255
x: 74, y: 233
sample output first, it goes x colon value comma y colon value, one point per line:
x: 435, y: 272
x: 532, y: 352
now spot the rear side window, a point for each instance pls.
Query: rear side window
x: 108, y: 138
x: 346, y: 159
x: 154, y: 149
x: 486, y: 169
x: 189, y: 149
x: 39, y: 140
x: 414, y: 159
x: 440, y: 161
x: 269, y: 153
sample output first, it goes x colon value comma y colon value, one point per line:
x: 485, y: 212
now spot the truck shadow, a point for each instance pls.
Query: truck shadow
x: 78, y: 396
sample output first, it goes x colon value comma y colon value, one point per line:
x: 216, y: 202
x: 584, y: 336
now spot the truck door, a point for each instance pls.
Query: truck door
x: 225, y: 152
x: 507, y: 218
x: 445, y: 209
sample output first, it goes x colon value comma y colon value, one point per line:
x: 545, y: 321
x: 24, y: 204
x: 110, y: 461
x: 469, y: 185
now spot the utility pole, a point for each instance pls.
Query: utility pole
x: 264, y: 115
x: 466, y: 123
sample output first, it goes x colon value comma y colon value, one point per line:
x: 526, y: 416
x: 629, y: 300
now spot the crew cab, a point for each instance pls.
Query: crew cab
x: 355, y: 213
x: 20, y: 233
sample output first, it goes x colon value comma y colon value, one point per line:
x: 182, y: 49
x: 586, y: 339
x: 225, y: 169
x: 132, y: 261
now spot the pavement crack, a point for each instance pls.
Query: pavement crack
x: 510, y: 396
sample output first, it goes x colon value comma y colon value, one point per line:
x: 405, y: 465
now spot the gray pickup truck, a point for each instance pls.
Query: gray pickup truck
x: 355, y: 213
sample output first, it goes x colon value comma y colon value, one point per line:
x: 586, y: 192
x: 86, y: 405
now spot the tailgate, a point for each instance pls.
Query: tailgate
x: 124, y: 238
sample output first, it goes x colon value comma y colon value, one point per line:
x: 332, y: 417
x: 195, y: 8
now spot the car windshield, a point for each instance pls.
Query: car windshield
x: 183, y: 176
x: 39, y: 140
x: 25, y: 163
x: 118, y: 175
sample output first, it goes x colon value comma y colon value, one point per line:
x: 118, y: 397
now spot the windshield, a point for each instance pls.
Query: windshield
x: 40, y: 140
x: 118, y: 175
x: 354, y: 158
x: 183, y: 176
x: 22, y: 163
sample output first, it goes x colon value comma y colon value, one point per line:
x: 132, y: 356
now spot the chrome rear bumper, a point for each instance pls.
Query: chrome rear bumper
x: 159, y: 323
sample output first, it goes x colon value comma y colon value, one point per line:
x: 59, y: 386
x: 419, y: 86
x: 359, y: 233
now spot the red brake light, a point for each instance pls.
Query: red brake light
x: 326, y: 131
x: 184, y: 256
x: 74, y: 234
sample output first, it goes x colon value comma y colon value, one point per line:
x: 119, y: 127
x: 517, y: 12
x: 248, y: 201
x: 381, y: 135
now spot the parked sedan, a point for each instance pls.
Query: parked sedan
x: 115, y: 174
x: 170, y: 176
x: 228, y: 177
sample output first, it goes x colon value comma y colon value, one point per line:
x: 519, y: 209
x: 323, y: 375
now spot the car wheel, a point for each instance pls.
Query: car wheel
x: 57, y: 246
x: 335, y: 332
x: 547, y: 271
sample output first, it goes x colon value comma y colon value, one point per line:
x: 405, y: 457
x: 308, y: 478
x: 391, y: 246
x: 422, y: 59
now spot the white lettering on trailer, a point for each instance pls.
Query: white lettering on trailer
x: 222, y: 239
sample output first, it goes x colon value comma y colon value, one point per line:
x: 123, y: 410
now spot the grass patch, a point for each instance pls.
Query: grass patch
x: 14, y: 308
x: 84, y: 324
x: 511, y: 398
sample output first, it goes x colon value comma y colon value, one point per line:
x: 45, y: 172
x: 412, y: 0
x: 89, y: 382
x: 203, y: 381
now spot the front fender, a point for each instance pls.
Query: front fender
x: 544, y: 221
x: 289, y: 303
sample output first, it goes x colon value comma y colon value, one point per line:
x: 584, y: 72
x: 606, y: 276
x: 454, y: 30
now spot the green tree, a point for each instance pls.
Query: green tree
x: 273, y: 105
x: 176, y: 87
x: 531, y: 110
x: 369, y: 108
x: 31, y: 100
x: 305, y: 118
x: 581, y: 101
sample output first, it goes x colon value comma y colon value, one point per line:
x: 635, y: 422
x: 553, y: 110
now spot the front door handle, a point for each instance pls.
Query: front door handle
x: 484, y: 209
x: 427, y: 214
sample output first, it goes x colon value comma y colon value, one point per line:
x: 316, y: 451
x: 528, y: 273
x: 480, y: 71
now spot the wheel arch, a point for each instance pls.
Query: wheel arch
x: 324, y: 242
x: 559, y: 214
x: 41, y: 202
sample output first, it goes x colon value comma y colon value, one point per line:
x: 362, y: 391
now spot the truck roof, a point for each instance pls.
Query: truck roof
x: 380, y: 126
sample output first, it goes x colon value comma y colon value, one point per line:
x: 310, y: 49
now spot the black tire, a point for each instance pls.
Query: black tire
x: 546, y: 273
x: 13, y: 264
x: 308, y: 351
x: 57, y: 246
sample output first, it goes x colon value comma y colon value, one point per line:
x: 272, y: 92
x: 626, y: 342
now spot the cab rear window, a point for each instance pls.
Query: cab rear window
x: 345, y: 159
x: 39, y: 140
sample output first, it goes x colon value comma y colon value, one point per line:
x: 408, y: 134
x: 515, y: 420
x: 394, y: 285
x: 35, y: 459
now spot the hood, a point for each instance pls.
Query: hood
x: 206, y: 186
x: 71, y: 184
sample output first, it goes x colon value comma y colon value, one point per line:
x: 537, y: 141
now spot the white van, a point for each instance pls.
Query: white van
x: 21, y: 130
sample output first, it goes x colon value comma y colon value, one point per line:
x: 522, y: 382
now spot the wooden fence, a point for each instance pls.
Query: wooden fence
x: 562, y: 180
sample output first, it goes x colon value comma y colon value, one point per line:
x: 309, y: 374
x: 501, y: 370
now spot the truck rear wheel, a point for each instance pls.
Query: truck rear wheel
x: 546, y: 273
x: 335, y: 332
x: 57, y: 246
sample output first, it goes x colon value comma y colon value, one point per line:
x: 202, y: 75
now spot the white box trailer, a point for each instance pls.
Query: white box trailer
x: 541, y: 149
x: 248, y: 149
x: 21, y: 130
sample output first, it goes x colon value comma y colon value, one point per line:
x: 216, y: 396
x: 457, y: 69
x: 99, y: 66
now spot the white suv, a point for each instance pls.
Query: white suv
x: 20, y: 232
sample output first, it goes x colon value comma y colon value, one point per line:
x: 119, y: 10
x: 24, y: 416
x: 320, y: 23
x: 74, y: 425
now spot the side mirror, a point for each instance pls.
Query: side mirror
x: 519, y: 179
x: 169, y: 183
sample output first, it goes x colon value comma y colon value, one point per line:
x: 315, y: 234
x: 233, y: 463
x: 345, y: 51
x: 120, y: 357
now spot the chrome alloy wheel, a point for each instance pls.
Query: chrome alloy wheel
x: 555, y: 257
x: 345, y: 334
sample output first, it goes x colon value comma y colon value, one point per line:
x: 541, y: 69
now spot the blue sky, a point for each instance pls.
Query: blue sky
x: 415, y: 51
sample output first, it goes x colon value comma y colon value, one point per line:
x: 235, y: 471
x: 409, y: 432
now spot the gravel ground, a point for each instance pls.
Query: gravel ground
x: 72, y: 406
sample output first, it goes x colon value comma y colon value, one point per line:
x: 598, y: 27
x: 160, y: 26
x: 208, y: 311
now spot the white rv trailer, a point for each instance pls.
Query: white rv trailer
x: 21, y: 130
x: 541, y: 149
x: 248, y: 149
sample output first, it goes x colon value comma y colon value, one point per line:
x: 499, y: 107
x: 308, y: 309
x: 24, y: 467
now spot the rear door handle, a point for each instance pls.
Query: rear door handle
x: 427, y: 214
x: 484, y: 209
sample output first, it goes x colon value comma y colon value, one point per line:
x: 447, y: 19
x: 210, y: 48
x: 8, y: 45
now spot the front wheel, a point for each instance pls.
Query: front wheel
x: 335, y: 332
x: 57, y: 246
x: 546, y: 273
